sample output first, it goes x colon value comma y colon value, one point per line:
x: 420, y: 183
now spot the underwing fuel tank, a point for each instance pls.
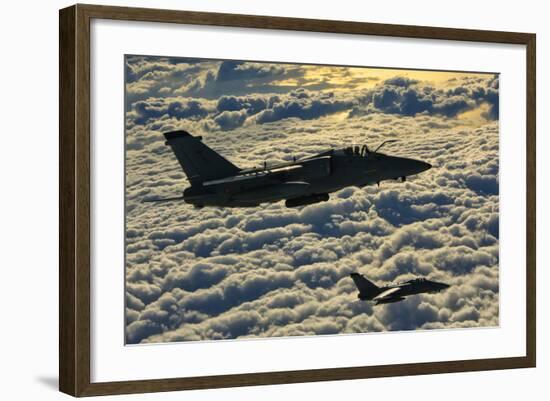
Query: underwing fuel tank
x: 284, y: 190
x: 306, y: 200
x: 389, y: 301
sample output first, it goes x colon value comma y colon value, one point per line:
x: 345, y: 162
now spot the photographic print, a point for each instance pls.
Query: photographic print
x: 267, y: 199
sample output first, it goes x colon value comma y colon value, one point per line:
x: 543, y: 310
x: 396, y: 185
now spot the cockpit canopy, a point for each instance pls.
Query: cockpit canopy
x: 364, y: 151
x: 357, y: 150
x: 417, y: 280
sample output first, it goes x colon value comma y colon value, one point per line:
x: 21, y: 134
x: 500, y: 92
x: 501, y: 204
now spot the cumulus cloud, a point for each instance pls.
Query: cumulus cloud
x: 251, y: 104
x: 228, y: 120
x: 245, y: 71
x: 409, y: 97
x: 216, y: 273
x: 303, y: 105
x: 182, y: 91
x: 178, y: 108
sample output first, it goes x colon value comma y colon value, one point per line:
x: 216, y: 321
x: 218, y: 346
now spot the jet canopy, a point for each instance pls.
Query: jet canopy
x: 364, y: 151
x: 357, y: 150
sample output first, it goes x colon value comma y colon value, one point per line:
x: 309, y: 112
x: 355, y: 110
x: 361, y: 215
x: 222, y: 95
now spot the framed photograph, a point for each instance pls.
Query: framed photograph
x: 250, y: 200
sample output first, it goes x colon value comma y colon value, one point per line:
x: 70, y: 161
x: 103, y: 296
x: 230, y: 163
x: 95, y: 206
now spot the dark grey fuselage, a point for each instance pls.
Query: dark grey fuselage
x: 217, y: 182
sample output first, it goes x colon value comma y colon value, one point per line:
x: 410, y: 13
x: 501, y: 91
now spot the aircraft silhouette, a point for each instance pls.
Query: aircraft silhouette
x: 217, y: 182
x: 368, y: 291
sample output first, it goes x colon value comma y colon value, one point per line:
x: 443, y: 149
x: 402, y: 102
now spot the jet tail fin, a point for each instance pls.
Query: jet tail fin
x: 365, y: 287
x: 198, y: 161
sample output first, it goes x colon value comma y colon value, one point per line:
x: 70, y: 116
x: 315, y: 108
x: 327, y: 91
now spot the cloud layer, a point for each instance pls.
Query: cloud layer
x: 218, y: 273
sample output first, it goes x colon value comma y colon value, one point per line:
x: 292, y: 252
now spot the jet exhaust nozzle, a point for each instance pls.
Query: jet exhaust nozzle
x: 306, y: 200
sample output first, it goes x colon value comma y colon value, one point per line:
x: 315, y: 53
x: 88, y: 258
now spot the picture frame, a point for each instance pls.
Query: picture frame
x: 75, y: 199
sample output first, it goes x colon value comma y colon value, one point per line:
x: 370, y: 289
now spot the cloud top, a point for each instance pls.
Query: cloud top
x: 218, y: 273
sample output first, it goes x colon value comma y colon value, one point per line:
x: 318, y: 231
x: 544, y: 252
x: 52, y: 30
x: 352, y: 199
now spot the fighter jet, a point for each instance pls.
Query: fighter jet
x: 368, y: 291
x: 217, y: 182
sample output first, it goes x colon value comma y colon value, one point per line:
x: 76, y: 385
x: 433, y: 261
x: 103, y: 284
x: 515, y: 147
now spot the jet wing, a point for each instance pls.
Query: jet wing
x: 302, y: 171
x: 253, y: 175
x: 389, y: 293
x: 273, y: 167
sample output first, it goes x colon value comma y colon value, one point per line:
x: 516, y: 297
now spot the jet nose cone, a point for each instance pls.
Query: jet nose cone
x: 417, y: 166
x: 413, y: 166
x: 400, y: 167
x: 422, y: 166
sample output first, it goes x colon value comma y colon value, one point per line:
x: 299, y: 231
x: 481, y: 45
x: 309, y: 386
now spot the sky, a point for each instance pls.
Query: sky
x: 270, y: 271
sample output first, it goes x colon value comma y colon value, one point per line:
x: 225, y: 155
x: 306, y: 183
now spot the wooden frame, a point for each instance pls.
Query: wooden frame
x: 74, y: 200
